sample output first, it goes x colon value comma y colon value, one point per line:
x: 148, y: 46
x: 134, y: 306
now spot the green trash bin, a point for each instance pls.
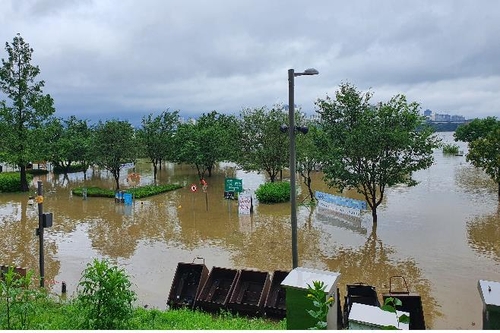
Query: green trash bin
x: 297, y: 303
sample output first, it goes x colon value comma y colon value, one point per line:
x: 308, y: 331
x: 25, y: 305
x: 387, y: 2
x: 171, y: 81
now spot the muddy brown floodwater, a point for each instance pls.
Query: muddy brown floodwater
x: 442, y: 235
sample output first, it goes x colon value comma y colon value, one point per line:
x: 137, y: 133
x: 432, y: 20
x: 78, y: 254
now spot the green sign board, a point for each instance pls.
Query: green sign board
x: 233, y: 185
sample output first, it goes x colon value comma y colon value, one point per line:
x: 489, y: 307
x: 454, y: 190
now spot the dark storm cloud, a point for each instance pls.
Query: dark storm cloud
x: 129, y: 58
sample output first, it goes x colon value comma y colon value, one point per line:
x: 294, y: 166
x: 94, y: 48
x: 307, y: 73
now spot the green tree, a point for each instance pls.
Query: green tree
x: 483, y: 138
x: 114, y: 145
x: 262, y: 145
x: 477, y: 128
x: 70, y: 142
x: 309, y: 154
x: 28, y: 110
x: 206, y: 142
x: 156, y: 137
x: 370, y: 148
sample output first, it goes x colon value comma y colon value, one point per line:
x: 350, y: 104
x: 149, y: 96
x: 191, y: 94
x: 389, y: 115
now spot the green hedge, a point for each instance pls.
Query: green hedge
x: 11, y: 181
x: 273, y: 192
x: 137, y: 192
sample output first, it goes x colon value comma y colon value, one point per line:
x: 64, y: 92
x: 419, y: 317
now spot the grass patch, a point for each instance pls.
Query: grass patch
x: 185, y: 319
x: 137, y: 192
x: 52, y: 314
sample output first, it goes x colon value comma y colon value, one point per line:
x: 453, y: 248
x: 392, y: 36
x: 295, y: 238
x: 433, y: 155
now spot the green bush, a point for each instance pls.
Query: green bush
x: 450, y: 148
x: 275, y: 192
x: 104, y: 297
x: 11, y: 181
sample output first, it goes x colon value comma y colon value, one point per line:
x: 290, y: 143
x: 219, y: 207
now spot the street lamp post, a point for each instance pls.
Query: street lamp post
x: 291, y: 133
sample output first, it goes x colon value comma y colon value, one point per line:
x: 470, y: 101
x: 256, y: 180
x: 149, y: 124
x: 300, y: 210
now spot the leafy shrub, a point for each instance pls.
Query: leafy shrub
x: 450, y: 148
x: 274, y: 192
x: 321, y: 304
x: 104, y: 297
x: 11, y: 181
x: 18, y: 300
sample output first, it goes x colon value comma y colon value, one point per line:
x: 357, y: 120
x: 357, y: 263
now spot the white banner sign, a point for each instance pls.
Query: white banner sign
x: 244, y: 204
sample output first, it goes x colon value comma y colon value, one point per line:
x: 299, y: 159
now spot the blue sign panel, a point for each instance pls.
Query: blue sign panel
x: 340, y: 201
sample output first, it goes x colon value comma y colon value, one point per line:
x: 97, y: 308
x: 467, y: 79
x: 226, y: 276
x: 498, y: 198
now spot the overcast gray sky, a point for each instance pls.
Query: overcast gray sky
x: 124, y: 59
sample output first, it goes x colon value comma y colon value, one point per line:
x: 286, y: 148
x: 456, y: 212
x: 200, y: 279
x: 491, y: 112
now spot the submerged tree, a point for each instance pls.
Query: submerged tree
x: 309, y: 154
x: 372, y: 147
x: 483, y: 137
x: 22, y: 119
x: 114, y: 145
x: 156, y: 137
x: 70, y: 142
x: 205, y: 143
x: 262, y: 145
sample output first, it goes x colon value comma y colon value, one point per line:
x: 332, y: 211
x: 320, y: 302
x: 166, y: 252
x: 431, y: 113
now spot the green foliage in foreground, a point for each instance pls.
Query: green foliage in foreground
x: 104, y: 297
x: 11, y: 181
x: 104, y: 300
x: 317, y: 295
x: 274, y: 192
x: 184, y: 319
x: 55, y: 314
x: 450, y: 148
x: 137, y: 192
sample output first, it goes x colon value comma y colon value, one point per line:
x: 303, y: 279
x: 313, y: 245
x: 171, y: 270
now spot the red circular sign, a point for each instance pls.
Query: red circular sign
x: 193, y: 188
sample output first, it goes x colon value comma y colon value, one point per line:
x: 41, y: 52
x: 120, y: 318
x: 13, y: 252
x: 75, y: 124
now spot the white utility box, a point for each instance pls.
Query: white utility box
x: 297, y: 303
x: 369, y: 317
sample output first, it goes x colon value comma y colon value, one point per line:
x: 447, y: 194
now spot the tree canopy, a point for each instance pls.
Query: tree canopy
x: 372, y: 147
x: 208, y: 141
x: 114, y: 145
x: 156, y: 137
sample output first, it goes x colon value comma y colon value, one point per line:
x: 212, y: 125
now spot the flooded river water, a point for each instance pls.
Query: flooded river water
x: 442, y: 235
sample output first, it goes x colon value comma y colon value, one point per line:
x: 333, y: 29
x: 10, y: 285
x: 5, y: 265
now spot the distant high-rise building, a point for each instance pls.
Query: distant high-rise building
x: 428, y: 113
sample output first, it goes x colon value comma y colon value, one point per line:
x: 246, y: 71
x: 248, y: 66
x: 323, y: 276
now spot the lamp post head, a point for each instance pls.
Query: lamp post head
x: 309, y: 71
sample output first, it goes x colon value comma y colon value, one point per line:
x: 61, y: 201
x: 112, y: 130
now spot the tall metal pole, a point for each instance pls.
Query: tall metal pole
x: 40, y: 231
x: 293, y: 193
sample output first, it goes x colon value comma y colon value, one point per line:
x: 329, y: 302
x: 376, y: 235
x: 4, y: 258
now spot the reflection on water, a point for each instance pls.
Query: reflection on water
x: 483, y: 235
x: 373, y: 263
x: 441, y: 235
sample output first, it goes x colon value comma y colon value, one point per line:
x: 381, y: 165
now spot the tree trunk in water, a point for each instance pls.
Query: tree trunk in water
x: 155, y: 171
x: 311, y: 194
x: 117, y: 178
x: 374, y: 215
x: 24, y: 180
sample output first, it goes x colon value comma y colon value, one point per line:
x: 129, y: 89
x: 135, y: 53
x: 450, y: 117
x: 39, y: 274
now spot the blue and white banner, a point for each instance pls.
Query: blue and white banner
x: 339, y: 209
x: 340, y: 201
